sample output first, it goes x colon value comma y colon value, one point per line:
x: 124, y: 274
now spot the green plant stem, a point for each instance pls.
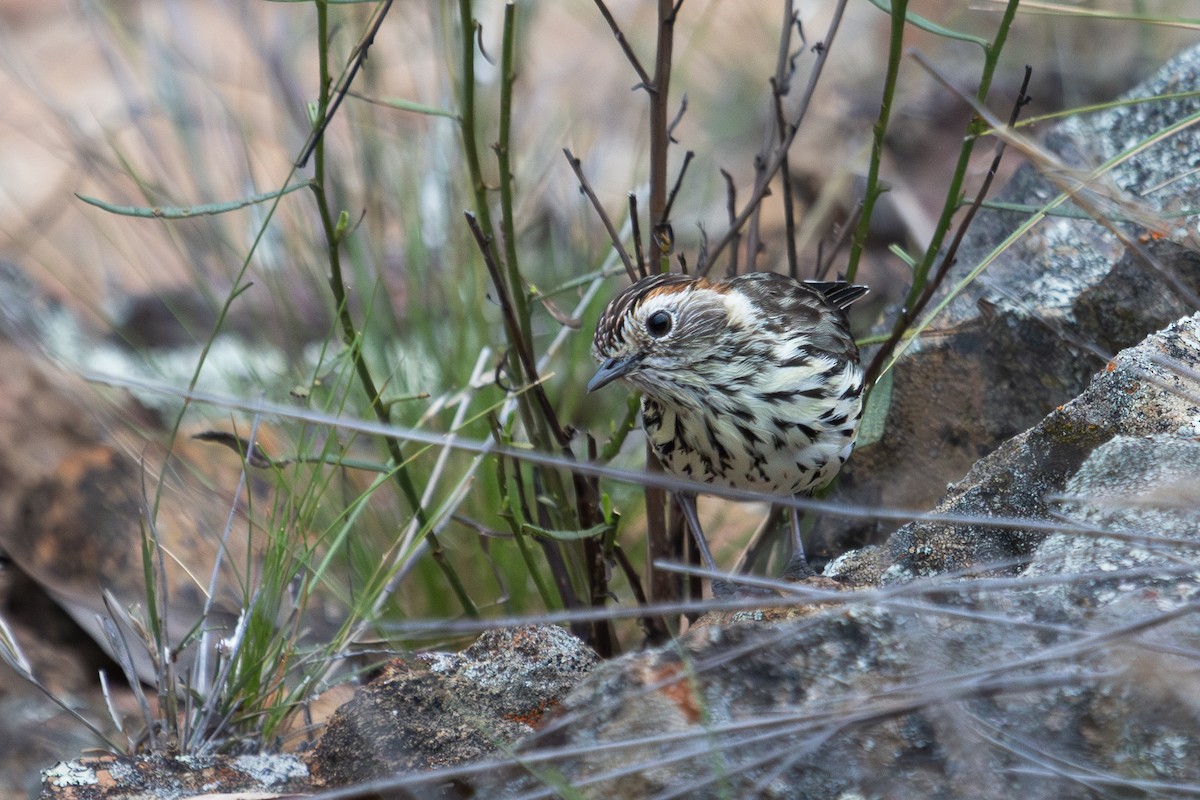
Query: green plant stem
x: 874, y: 189
x: 503, y: 157
x: 467, y: 116
x: 467, y: 125
x: 954, y: 191
x: 350, y: 334
x: 913, y: 308
x: 920, y: 291
x: 548, y: 432
x: 536, y: 413
x: 509, y: 491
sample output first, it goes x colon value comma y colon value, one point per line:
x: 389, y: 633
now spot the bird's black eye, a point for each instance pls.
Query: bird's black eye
x: 659, y: 324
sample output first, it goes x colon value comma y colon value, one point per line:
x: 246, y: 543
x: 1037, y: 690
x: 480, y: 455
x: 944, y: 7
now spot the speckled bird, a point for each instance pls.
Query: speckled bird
x: 752, y: 382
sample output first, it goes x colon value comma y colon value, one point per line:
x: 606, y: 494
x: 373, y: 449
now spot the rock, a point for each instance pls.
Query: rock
x: 1035, y: 636
x: 1024, y: 337
x: 443, y: 709
x: 152, y: 776
x: 1074, y: 673
x: 1146, y: 390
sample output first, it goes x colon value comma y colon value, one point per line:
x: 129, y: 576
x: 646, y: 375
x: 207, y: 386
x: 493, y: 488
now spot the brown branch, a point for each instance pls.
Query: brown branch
x: 339, y: 94
x: 731, y: 208
x: 753, y: 239
x: 781, y: 85
x: 660, y: 139
x: 822, y: 49
x: 655, y: 629
x: 666, y: 215
x: 514, y: 332
x: 587, y: 490
x: 624, y: 43
x: 586, y: 188
x: 636, y: 227
x: 825, y: 264
x: 677, y: 119
x: 658, y: 541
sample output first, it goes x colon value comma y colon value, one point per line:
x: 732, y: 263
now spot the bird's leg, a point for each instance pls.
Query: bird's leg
x: 687, y: 504
x: 797, y: 567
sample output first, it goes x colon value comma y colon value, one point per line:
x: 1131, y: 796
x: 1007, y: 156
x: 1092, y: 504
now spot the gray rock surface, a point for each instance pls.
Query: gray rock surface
x: 444, y: 709
x: 1071, y: 676
x: 1146, y: 390
x: 144, y: 776
x: 1026, y: 335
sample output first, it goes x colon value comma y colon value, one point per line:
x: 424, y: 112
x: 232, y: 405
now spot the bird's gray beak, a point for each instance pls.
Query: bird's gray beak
x: 610, y: 370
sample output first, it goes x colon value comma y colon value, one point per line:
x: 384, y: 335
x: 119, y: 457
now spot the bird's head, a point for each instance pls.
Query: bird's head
x: 655, y: 332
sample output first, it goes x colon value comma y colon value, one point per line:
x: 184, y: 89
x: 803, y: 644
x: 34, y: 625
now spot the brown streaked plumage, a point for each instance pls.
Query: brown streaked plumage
x: 752, y: 382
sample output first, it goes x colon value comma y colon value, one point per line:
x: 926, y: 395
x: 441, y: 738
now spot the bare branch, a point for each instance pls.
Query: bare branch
x: 637, y: 235
x: 825, y: 264
x: 687, y: 159
x: 781, y: 84
x: 528, y: 363
x: 586, y: 188
x: 731, y: 207
x: 356, y: 61
x: 678, y: 117
x: 822, y: 49
x: 643, y: 76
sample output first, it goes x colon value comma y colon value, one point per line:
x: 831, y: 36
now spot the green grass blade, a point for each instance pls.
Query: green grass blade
x: 186, y: 212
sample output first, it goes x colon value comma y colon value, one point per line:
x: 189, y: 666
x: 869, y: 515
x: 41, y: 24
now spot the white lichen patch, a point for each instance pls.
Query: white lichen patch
x: 270, y: 770
x: 69, y: 773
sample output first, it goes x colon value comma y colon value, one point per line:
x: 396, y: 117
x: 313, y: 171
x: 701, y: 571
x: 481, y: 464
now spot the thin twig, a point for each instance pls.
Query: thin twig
x: 666, y: 214
x: 655, y: 629
x: 824, y: 264
x: 781, y: 84
x: 636, y: 229
x: 503, y: 150
x: 954, y: 190
x: 510, y: 321
x: 822, y: 50
x: 359, y: 56
x: 624, y: 43
x: 633, y: 477
x: 753, y: 237
x: 677, y: 119
x: 731, y: 209
x: 615, y: 237
x: 660, y: 139
x: 603, y: 637
x: 907, y: 315
x: 874, y: 186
